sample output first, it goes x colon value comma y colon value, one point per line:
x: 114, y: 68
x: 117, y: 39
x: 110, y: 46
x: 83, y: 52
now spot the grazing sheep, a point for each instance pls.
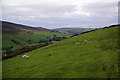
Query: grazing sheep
x: 77, y: 43
x: 85, y: 41
x: 25, y: 56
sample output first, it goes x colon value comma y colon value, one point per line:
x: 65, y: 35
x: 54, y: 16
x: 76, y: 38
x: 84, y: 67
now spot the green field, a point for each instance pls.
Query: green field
x: 26, y: 39
x: 35, y: 38
x: 65, y: 59
x: 16, y: 36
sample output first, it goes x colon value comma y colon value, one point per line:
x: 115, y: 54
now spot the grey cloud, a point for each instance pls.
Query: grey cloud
x: 102, y: 8
x: 41, y: 9
x: 101, y: 14
x: 53, y: 8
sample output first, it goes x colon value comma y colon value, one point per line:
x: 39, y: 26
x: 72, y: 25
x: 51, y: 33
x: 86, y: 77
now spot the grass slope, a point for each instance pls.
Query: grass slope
x: 26, y: 35
x: 64, y: 59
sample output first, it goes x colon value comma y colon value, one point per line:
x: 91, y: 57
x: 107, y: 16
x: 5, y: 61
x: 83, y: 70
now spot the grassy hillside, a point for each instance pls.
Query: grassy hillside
x: 16, y: 36
x: 24, y: 39
x: 96, y: 59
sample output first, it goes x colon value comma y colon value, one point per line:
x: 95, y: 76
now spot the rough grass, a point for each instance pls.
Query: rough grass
x: 64, y: 59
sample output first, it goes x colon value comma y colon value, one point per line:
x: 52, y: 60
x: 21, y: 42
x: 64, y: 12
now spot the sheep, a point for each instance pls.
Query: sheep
x: 25, y: 56
x: 77, y: 43
x: 85, y: 41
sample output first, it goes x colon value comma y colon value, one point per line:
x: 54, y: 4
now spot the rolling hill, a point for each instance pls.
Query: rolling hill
x: 96, y: 59
x: 74, y: 31
x: 12, y: 28
x: 16, y: 36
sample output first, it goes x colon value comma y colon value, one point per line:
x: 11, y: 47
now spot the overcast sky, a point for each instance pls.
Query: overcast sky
x: 61, y: 13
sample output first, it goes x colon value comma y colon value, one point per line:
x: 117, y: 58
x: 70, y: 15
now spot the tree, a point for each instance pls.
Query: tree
x: 8, y: 50
x: 55, y: 35
x: 29, y: 41
x: 64, y: 37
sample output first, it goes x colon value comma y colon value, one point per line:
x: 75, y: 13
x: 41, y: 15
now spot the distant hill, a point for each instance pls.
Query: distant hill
x: 12, y: 28
x: 74, y: 31
x: 17, y: 36
x: 96, y: 59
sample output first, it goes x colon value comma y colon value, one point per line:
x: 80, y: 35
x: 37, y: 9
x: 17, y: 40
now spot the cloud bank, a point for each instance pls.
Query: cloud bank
x: 61, y: 13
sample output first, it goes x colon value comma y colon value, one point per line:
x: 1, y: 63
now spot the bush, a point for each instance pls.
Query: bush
x: 11, y: 53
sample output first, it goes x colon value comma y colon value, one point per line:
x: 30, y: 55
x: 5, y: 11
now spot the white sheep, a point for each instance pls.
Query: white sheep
x: 77, y: 43
x: 25, y: 56
x: 85, y: 41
